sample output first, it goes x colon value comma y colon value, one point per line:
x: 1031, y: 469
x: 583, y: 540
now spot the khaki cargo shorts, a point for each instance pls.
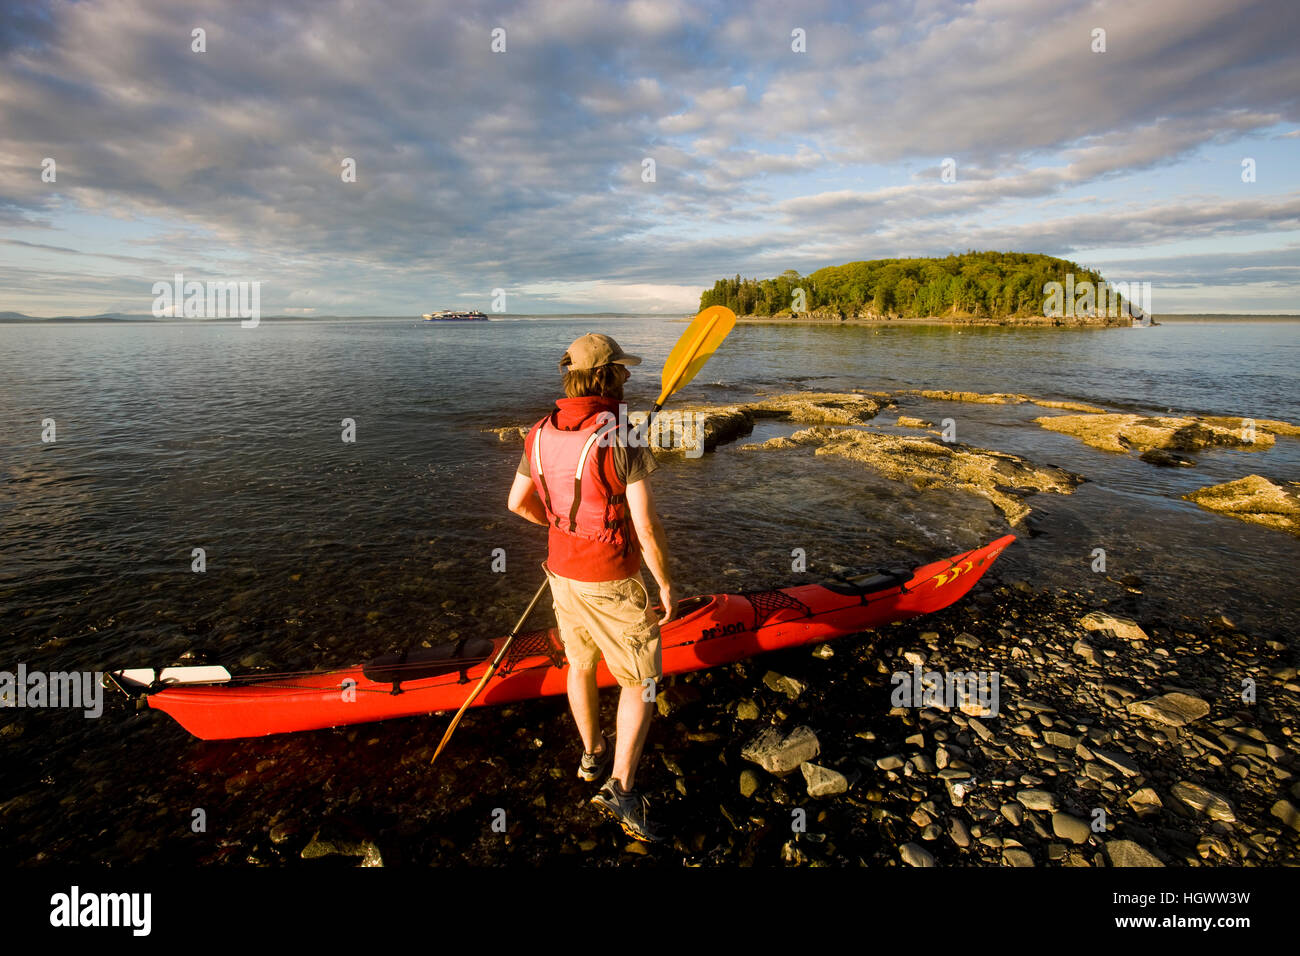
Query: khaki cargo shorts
x: 609, y: 619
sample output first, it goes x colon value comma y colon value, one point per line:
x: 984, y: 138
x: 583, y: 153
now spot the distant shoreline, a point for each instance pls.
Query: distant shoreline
x: 15, y: 318
x: 1010, y: 322
x: 1026, y: 322
x: 1207, y: 317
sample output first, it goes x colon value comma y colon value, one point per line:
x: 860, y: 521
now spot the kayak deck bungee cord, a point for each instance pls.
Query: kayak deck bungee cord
x: 709, y: 630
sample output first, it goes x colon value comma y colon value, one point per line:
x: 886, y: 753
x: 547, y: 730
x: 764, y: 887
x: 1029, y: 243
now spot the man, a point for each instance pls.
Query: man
x: 592, y: 493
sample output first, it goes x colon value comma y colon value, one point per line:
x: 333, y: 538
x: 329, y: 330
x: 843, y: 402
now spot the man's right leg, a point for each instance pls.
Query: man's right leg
x: 584, y: 701
x: 582, y: 656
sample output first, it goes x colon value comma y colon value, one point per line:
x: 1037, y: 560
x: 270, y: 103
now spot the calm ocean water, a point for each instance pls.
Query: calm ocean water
x: 176, y: 436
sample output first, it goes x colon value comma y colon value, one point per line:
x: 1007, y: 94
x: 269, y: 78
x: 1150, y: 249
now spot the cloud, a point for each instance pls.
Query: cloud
x: 477, y: 170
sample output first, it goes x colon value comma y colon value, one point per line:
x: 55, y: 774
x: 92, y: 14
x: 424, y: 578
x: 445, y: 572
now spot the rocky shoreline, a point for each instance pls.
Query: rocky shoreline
x: 831, y: 317
x: 1115, y: 743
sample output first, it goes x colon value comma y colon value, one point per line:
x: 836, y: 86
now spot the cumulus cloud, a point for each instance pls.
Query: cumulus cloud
x: 520, y: 169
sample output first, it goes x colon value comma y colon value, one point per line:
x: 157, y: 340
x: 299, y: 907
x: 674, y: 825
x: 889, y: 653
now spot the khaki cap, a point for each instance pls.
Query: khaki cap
x: 594, y: 350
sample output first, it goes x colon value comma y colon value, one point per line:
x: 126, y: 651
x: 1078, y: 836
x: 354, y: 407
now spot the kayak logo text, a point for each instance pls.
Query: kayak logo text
x: 676, y: 429
x: 721, y: 630
x: 25, y: 688
x: 75, y: 908
x: 971, y: 692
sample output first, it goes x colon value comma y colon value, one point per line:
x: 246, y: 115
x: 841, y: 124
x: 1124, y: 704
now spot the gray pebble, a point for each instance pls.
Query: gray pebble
x: 958, y: 833
x: 1037, y: 800
x: 1128, y: 853
x: 1070, y: 828
x: 915, y: 855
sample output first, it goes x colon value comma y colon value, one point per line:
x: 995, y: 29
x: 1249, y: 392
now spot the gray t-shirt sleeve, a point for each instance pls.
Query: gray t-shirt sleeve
x: 633, y: 464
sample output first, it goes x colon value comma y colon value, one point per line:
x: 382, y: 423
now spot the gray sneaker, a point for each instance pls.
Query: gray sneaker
x: 593, y: 766
x: 630, y: 809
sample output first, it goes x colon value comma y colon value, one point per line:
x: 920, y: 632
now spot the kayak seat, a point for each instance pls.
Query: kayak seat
x: 417, y: 664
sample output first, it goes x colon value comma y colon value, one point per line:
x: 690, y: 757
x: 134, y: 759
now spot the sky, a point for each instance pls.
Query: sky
x: 585, y: 155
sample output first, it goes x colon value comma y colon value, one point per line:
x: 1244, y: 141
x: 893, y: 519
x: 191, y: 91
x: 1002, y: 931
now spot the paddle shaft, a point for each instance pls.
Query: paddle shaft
x: 492, y: 668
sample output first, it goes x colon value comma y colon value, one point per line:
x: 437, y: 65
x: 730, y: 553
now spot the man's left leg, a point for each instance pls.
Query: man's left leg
x: 633, y: 723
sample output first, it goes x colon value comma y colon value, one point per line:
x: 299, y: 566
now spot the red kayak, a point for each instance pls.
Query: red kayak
x: 711, y: 629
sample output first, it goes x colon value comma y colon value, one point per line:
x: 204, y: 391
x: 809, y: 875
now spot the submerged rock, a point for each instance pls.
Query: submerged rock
x: 1261, y: 424
x: 998, y: 398
x: 1166, y: 459
x: 1121, y: 433
x: 1122, y: 627
x: 1069, y: 406
x: 1255, y: 499
x: 992, y: 398
x: 905, y: 421
x: 928, y: 462
x: 696, y: 429
x: 818, y: 408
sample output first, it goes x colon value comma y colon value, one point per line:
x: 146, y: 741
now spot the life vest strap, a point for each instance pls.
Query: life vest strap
x: 613, y: 499
x: 577, y: 475
x: 537, y: 468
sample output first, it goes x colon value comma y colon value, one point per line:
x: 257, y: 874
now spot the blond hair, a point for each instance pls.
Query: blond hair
x: 603, y: 380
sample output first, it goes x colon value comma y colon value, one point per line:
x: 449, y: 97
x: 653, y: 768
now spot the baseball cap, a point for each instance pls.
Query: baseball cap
x: 594, y: 350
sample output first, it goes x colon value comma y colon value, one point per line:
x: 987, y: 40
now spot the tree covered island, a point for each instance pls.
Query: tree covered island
x: 1002, y: 288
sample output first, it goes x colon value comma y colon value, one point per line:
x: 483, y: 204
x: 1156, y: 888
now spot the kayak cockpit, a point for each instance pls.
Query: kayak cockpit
x: 420, y: 663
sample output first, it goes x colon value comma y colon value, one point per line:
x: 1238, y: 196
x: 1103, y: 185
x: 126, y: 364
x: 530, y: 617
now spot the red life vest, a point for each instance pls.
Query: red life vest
x: 591, y: 535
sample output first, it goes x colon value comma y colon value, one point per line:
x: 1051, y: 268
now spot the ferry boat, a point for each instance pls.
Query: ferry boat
x: 450, y: 315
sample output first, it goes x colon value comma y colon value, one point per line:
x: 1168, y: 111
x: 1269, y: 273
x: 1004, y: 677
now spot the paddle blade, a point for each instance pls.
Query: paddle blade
x: 700, y: 340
